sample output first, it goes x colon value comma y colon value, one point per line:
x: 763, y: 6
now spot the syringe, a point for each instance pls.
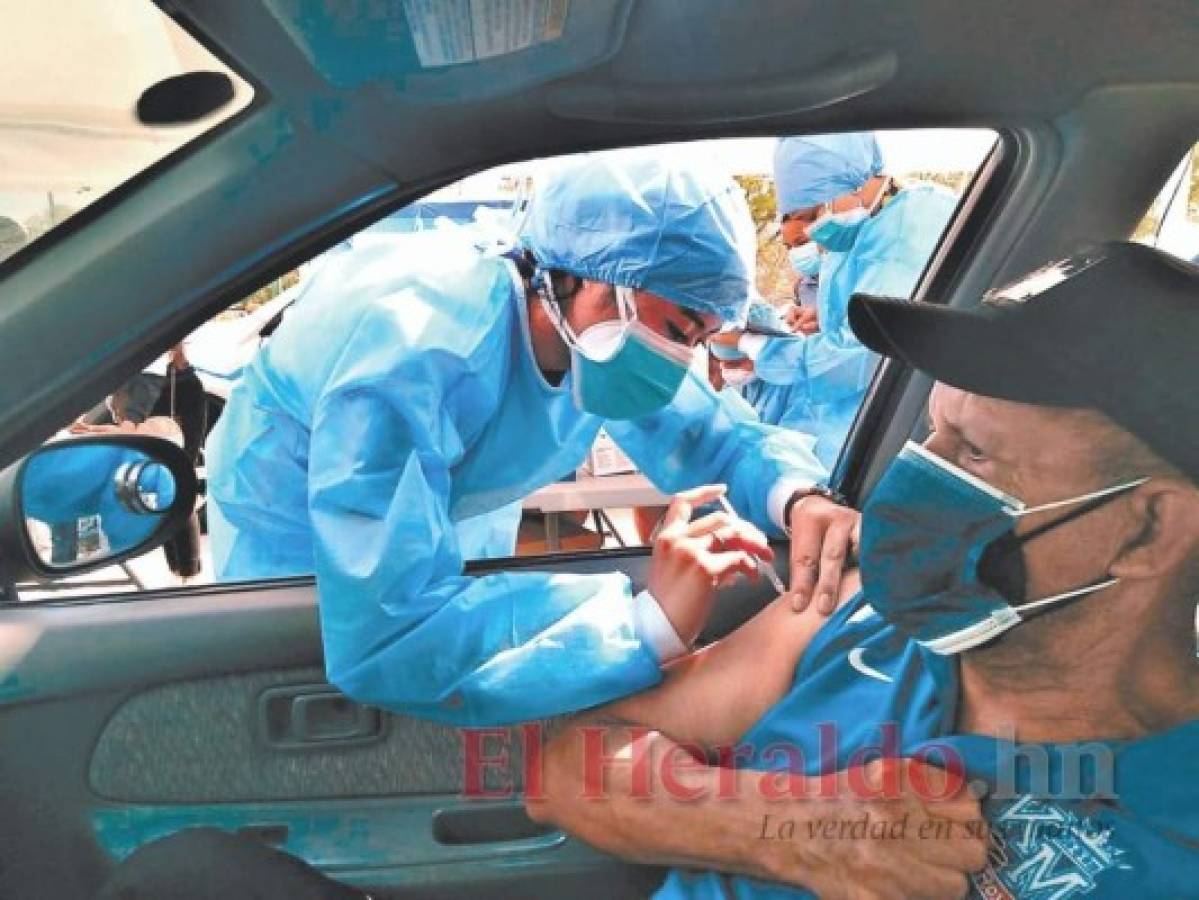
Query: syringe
x: 765, y: 568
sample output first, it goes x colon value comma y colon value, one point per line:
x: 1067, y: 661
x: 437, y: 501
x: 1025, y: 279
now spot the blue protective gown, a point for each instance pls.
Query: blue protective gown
x: 1047, y: 845
x: 492, y: 535
x: 396, y: 401
x: 816, y: 384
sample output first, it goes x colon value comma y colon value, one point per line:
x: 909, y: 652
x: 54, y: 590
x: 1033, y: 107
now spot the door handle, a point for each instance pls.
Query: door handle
x: 489, y: 823
x: 315, y: 715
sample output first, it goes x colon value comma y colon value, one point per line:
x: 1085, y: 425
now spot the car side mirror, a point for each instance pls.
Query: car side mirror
x: 83, y: 503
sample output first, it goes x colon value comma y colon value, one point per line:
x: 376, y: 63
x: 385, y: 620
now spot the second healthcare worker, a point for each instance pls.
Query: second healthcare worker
x: 404, y: 396
x: 843, y: 220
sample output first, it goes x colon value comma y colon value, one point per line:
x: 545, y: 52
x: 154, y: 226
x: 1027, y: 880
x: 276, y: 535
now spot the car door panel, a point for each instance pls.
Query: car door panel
x: 151, y: 752
x: 130, y: 719
x: 375, y: 842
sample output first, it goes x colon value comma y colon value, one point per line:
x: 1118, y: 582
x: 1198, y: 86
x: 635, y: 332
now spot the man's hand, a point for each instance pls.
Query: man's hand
x: 723, y: 820
x: 692, y: 559
x: 802, y: 319
x: 824, y: 534
x: 913, y: 846
x: 564, y: 778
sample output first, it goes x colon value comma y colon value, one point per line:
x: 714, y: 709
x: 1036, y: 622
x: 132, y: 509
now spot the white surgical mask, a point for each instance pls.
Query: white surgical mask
x: 620, y: 368
x: 737, y: 378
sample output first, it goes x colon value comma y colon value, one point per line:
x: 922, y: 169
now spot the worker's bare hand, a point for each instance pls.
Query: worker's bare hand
x: 692, y: 559
x: 922, y: 843
x: 802, y: 319
x: 824, y: 535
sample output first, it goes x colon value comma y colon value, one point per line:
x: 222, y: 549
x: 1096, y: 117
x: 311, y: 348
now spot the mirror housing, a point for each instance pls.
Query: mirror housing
x: 84, y: 503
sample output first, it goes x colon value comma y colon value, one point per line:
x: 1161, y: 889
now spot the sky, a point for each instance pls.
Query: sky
x: 937, y: 150
x: 903, y: 151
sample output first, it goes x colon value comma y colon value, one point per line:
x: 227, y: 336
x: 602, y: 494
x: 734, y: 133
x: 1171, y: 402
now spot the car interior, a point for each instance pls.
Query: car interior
x: 124, y: 718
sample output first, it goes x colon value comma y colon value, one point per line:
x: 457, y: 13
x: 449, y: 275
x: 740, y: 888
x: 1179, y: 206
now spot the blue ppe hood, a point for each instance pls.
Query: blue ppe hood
x: 682, y: 231
x: 815, y: 169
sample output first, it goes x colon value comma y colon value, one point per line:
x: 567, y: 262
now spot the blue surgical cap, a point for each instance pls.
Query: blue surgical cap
x: 632, y: 218
x: 817, y: 168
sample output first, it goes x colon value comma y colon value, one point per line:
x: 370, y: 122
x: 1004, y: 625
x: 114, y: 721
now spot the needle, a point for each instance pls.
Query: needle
x: 765, y: 568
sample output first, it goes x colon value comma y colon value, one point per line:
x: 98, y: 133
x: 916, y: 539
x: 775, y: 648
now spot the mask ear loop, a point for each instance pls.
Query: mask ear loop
x: 1062, y: 598
x: 625, y: 297
x: 870, y: 208
x: 1090, y: 502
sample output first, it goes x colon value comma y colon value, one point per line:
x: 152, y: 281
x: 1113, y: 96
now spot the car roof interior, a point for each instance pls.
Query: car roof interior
x: 1095, y: 103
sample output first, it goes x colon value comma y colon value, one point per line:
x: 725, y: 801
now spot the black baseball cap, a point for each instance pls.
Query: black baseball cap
x: 1113, y: 328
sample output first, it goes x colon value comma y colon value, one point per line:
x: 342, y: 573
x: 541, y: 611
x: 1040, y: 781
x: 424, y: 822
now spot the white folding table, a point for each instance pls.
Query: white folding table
x: 594, y: 493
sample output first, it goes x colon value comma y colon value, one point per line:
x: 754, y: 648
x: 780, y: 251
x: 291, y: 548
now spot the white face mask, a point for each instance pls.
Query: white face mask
x: 621, y: 369
x: 737, y: 378
x: 600, y: 341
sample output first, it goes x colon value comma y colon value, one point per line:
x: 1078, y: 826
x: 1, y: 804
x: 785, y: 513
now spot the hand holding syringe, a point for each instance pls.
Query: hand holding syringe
x: 693, y: 558
x: 765, y: 568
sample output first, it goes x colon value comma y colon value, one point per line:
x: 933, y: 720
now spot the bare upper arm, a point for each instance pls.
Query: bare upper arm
x: 714, y: 695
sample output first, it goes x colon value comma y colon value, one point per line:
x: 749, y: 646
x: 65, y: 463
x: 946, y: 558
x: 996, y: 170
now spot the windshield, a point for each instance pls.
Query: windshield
x: 69, y: 132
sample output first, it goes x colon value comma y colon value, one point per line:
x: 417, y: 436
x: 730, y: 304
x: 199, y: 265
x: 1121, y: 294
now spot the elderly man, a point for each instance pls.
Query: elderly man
x: 1026, y: 622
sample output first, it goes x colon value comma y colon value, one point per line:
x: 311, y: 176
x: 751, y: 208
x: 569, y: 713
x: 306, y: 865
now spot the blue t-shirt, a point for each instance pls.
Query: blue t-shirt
x: 862, y: 684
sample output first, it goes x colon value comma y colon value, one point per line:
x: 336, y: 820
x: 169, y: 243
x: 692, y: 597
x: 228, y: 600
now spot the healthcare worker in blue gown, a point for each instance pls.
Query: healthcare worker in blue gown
x: 844, y: 224
x: 785, y: 404
x: 403, y: 397
x: 493, y: 534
